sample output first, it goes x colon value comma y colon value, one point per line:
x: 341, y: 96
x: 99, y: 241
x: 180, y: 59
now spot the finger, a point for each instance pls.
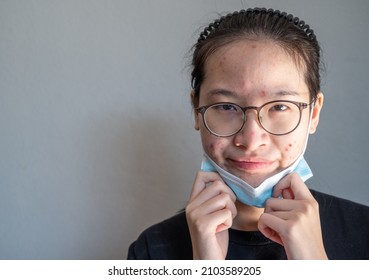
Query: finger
x: 207, y: 179
x: 282, y: 215
x: 292, y: 187
x: 212, y: 190
x: 214, y: 222
x: 202, y: 179
x: 220, y: 202
x: 221, y: 220
x: 279, y: 204
x: 209, y: 201
x: 269, y: 226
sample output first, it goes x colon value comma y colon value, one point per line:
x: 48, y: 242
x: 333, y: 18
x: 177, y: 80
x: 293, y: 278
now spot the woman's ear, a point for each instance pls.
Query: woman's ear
x: 316, y: 112
x: 196, y: 115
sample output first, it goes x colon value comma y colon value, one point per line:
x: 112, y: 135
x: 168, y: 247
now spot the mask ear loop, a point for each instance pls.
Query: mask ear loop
x: 312, y: 105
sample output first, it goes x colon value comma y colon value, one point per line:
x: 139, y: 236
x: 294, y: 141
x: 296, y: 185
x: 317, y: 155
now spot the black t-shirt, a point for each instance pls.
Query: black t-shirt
x: 345, y: 229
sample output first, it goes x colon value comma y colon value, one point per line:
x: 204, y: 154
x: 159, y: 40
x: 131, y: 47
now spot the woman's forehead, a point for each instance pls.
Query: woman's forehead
x: 253, y: 66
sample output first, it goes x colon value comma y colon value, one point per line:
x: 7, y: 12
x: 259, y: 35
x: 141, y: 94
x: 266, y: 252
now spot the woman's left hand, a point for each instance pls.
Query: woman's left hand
x: 293, y: 221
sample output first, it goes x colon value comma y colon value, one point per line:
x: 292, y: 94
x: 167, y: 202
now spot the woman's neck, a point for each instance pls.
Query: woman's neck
x: 247, y: 217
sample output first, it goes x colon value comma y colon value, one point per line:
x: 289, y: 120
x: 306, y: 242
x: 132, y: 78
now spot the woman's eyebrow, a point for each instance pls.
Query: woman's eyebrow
x: 229, y: 93
x: 286, y: 92
x: 222, y: 92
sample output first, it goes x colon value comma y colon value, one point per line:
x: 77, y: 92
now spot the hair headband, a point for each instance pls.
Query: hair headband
x: 290, y: 18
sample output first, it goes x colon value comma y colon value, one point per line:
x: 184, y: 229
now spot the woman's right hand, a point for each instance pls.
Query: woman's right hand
x: 209, y: 214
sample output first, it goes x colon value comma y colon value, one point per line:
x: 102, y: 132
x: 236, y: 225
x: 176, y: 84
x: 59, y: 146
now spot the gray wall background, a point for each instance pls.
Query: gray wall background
x: 97, y: 138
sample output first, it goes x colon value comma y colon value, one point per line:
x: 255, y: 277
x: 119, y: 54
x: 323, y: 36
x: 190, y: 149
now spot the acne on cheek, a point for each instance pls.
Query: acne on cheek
x: 292, y: 151
x: 214, y: 148
x: 288, y: 147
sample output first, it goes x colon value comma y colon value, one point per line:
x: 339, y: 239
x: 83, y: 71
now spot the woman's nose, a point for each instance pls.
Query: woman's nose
x: 252, y: 135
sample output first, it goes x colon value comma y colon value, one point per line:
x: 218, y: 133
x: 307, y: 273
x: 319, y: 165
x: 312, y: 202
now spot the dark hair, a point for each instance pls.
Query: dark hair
x: 288, y: 31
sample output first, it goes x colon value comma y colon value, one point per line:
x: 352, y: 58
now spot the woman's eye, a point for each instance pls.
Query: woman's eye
x: 279, y: 108
x: 227, y: 107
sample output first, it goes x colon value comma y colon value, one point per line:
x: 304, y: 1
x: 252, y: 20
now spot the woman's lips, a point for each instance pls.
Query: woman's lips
x: 251, y: 165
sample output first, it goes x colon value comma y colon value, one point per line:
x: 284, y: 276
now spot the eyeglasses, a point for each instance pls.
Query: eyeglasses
x: 278, y: 117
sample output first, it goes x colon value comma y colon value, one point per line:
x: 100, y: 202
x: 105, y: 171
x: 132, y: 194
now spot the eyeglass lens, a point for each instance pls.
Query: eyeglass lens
x: 226, y: 119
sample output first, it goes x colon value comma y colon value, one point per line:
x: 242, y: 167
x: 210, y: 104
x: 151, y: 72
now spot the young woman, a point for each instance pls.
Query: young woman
x: 256, y: 97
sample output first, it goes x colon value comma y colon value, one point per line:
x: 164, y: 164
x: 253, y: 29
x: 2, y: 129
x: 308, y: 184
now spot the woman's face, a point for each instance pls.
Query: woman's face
x: 251, y: 73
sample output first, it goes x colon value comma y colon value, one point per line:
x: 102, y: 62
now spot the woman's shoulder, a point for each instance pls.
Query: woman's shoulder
x: 168, y: 239
x: 344, y: 226
x: 330, y: 202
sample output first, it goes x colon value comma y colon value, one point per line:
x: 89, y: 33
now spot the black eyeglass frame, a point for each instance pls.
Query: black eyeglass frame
x: 300, y: 105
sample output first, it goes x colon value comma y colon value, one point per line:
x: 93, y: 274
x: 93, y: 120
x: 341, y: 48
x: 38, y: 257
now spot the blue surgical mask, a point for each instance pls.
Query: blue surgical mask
x: 249, y: 195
